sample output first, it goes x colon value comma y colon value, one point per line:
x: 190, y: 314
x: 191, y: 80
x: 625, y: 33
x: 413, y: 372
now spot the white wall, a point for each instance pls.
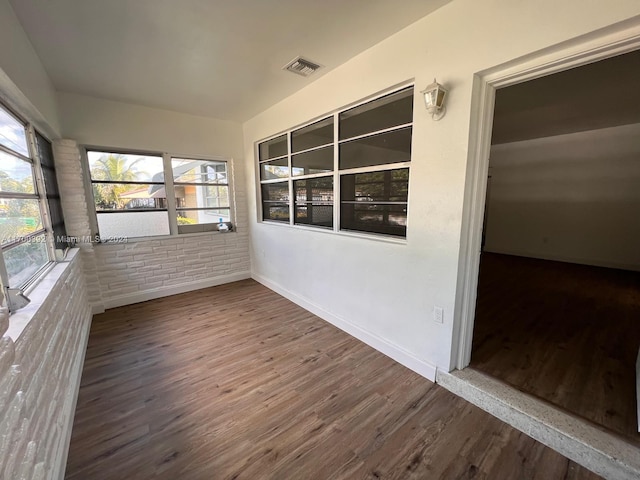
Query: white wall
x: 383, y: 292
x: 23, y: 81
x: 572, y: 198
x: 98, y: 122
x: 141, y: 270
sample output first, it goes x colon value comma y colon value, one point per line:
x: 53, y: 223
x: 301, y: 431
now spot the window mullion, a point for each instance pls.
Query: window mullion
x: 170, y: 191
x: 292, y: 208
x: 336, y: 174
x: 88, y: 189
x: 231, y: 191
x: 13, y: 153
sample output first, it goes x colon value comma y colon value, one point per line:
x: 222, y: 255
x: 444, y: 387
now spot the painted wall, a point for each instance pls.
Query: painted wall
x: 141, y: 270
x: 385, y: 293
x: 571, y: 198
x: 24, y: 84
x: 98, y: 122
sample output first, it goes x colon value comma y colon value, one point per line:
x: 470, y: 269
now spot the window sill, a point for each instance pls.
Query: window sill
x: 38, y: 294
x: 340, y: 233
x: 166, y: 237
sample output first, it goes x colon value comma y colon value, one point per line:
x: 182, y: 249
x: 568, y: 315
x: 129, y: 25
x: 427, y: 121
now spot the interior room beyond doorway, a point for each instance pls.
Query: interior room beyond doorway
x: 558, y: 308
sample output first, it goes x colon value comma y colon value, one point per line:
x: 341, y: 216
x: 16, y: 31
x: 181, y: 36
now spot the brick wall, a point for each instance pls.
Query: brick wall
x: 39, y: 379
x: 76, y: 213
x: 121, y: 274
x: 139, y: 271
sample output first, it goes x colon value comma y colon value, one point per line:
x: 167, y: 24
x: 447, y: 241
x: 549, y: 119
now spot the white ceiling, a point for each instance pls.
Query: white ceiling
x: 218, y: 58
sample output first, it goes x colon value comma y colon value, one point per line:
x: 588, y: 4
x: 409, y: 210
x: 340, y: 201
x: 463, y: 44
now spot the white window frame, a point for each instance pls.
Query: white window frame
x: 336, y: 172
x: 46, y: 231
x: 204, y: 227
x: 169, y: 188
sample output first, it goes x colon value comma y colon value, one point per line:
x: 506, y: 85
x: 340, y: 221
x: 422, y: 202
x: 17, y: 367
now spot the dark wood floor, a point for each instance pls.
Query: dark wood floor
x: 566, y: 333
x: 236, y: 382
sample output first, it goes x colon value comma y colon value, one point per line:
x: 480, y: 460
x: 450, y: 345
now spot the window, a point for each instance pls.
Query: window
x: 129, y: 194
x: 151, y: 194
x: 32, y: 228
x: 360, y: 156
x: 52, y: 194
x: 202, y: 193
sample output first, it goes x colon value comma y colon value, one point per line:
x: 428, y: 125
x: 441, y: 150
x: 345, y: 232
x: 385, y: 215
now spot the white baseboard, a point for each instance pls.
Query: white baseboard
x: 143, y: 296
x: 560, y: 258
x: 384, y: 346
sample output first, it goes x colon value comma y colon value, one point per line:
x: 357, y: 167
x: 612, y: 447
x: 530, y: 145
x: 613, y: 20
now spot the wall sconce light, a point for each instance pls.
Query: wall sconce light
x: 434, y: 96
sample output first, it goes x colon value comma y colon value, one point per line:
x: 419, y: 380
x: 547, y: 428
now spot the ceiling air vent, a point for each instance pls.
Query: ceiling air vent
x: 301, y: 66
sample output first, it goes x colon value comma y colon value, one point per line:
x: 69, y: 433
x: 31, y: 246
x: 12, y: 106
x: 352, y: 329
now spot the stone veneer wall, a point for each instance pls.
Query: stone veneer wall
x: 122, y: 274
x: 76, y: 213
x: 40, y: 376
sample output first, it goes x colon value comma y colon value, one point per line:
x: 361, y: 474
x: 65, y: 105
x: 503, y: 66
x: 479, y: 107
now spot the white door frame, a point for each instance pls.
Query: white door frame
x: 611, y: 41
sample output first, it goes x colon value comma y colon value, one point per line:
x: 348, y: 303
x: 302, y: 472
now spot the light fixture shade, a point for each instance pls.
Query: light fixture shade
x: 434, y: 96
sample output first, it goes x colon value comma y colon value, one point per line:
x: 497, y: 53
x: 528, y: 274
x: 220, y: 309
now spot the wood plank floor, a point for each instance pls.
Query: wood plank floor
x: 236, y: 382
x: 567, y: 333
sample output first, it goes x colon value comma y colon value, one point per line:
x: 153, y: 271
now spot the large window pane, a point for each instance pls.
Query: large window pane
x: 25, y: 259
x: 314, y: 201
x: 199, y: 171
x: 315, y: 161
x: 275, y: 201
x: 276, y: 147
x: 132, y: 224
x: 317, y: 215
x: 274, y: 169
x: 384, y: 186
x: 314, y: 135
x: 16, y: 175
x: 13, y: 134
x: 375, y: 202
x: 198, y: 217
x: 314, y: 190
x: 129, y: 196
x: 18, y: 217
x: 275, y: 192
x: 118, y: 167
x: 386, y: 112
x: 391, y: 147
x: 374, y: 218
x: 275, y: 211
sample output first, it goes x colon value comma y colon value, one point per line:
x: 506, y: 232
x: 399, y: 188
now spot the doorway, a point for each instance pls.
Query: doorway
x: 524, y: 271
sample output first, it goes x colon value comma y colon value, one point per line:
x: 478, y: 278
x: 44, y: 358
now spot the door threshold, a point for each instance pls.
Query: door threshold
x: 575, y: 438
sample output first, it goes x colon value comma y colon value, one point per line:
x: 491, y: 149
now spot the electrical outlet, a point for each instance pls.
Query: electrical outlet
x: 438, y: 314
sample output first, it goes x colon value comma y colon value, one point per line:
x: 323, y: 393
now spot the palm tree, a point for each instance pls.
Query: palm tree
x: 113, y: 168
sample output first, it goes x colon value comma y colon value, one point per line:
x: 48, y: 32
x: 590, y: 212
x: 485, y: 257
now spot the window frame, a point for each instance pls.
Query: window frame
x: 201, y: 227
x: 169, y: 186
x: 39, y: 194
x: 337, y: 173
